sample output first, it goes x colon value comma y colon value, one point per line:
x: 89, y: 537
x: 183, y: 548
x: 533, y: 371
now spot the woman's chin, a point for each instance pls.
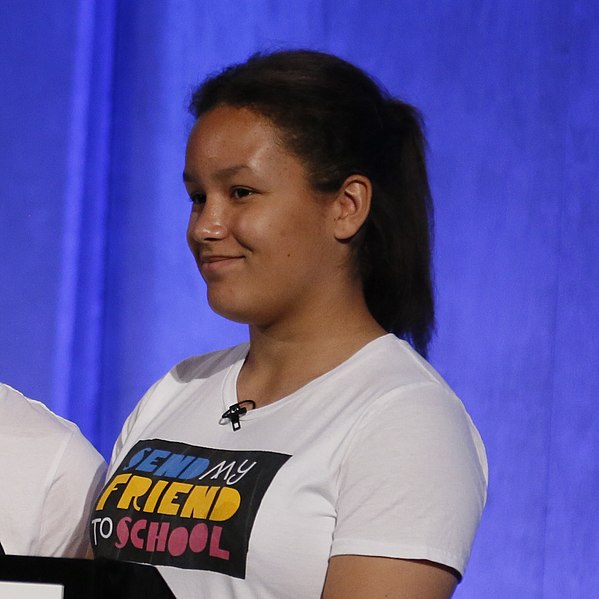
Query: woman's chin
x: 230, y: 310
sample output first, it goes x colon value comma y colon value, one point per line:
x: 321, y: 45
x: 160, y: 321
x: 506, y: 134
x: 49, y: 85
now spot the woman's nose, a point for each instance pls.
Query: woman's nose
x: 207, y: 222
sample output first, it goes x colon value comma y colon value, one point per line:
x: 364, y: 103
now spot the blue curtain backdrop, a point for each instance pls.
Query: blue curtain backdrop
x: 99, y: 296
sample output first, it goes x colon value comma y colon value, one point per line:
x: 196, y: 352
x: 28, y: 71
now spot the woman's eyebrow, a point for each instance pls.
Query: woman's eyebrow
x: 222, y: 174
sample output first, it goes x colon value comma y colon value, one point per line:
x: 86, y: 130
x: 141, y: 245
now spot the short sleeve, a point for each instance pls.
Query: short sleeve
x: 413, y: 482
x: 76, y: 480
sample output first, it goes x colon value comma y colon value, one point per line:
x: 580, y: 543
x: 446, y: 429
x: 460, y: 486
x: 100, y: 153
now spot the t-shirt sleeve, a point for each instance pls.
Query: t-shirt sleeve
x: 76, y: 477
x: 413, y: 483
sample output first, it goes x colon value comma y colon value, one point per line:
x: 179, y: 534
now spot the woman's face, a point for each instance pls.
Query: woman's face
x: 262, y: 238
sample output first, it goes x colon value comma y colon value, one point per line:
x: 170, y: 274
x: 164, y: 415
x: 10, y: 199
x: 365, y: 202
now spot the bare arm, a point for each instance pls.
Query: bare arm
x: 361, y: 577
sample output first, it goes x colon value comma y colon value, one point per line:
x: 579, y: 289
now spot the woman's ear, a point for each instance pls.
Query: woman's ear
x: 351, y: 206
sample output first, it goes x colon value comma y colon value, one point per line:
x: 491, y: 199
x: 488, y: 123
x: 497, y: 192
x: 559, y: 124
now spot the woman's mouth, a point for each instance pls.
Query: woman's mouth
x: 217, y: 263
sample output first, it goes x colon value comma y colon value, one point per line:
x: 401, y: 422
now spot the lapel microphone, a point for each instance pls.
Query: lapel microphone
x: 237, y: 410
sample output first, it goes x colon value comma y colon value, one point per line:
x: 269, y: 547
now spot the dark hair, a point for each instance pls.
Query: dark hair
x: 339, y: 122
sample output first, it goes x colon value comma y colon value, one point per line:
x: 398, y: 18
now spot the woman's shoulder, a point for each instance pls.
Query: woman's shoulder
x: 390, y: 363
x: 395, y: 385
x: 410, y: 405
x: 169, y: 391
x: 205, y: 365
x: 191, y: 371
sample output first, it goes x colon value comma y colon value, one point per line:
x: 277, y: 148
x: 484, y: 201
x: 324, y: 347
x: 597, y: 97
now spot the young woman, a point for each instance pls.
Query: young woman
x: 325, y: 458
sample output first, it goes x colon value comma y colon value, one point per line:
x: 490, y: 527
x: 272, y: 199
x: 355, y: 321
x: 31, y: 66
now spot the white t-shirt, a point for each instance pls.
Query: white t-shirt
x: 376, y: 457
x: 49, y: 474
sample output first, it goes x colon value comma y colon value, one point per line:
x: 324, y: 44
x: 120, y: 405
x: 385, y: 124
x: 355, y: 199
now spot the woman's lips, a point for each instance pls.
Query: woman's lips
x: 215, y: 264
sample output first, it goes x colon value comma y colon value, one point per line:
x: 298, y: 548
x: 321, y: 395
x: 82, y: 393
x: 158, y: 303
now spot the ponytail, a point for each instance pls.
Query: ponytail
x: 396, y: 253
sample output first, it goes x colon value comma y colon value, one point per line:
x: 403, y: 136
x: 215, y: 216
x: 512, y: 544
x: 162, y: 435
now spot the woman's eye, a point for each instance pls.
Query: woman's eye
x: 241, y: 192
x: 197, y: 198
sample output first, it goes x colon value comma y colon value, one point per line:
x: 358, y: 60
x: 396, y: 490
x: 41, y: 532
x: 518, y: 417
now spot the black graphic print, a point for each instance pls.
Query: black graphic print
x: 179, y: 505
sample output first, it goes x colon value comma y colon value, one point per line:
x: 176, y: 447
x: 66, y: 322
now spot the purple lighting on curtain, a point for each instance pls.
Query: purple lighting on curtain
x: 73, y: 206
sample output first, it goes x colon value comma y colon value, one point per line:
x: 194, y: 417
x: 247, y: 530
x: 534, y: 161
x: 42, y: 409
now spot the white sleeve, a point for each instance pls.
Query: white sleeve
x: 76, y: 476
x: 413, y: 484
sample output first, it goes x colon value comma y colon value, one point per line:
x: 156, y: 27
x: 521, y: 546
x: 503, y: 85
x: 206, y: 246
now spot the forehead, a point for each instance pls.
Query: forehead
x: 226, y: 130
x: 227, y: 140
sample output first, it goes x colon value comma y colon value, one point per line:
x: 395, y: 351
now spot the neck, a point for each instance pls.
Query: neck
x: 285, y: 357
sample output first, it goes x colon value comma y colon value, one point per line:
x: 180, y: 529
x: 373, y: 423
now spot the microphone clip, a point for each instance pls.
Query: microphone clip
x: 236, y: 410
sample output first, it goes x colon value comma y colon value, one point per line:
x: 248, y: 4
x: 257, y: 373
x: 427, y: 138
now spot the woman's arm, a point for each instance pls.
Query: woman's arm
x: 411, y: 488
x: 360, y: 577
